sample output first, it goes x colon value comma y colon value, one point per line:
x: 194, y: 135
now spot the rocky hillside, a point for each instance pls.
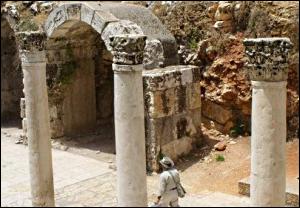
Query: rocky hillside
x: 210, y: 34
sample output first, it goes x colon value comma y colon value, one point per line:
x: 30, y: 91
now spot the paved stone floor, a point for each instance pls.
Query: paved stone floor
x: 79, y: 181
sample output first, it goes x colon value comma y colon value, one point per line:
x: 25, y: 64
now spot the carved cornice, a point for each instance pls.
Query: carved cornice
x: 267, y: 58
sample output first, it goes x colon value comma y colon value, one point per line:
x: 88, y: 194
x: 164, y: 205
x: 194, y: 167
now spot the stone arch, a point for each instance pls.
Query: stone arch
x: 94, y: 27
x: 11, y: 74
x: 161, y: 48
x: 91, y: 13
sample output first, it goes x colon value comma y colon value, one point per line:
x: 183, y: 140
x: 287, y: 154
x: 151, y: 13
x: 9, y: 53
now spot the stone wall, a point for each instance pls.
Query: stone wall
x: 80, y: 83
x: 172, y: 111
x: 11, y: 74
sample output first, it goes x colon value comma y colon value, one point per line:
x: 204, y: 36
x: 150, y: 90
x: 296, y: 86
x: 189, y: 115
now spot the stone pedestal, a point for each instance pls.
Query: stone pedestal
x: 129, y: 120
x: 268, y: 73
x: 38, y: 128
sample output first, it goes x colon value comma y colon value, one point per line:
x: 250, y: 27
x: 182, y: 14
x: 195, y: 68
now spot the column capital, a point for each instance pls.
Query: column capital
x: 267, y: 58
x: 31, y: 47
x: 127, y: 49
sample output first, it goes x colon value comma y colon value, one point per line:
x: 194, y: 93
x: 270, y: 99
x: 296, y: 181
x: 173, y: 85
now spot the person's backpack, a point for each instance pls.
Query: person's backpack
x: 180, y: 190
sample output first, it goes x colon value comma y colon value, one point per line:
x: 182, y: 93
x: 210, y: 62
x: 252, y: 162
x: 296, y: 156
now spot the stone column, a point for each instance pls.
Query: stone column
x: 127, y: 53
x: 268, y: 69
x: 38, y: 128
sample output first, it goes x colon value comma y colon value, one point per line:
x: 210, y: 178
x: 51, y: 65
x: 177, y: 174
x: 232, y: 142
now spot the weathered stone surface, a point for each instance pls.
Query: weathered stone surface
x: 224, y: 11
x: 153, y: 54
x: 161, y: 103
x: 268, y: 58
x: 128, y: 49
x: 178, y: 148
x: 194, y: 96
x: 119, y: 28
x: 170, y: 77
x: 11, y: 74
x: 181, y: 98
x: 150, y: 25
x: 216, y: 112
x: 94, y: 16
x: 31, y: 40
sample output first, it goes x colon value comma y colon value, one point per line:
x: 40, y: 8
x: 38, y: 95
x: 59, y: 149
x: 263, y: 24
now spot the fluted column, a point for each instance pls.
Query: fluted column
x: 127, y: 53
x: 268, y: 69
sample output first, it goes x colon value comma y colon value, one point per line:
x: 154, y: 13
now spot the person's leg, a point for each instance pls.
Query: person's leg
x: 164, y: 201
x: 174, y: 199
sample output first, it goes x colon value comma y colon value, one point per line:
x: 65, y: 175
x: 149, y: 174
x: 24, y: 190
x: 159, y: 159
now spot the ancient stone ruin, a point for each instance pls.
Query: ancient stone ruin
x: 80, y: 77
x: 113, y: 69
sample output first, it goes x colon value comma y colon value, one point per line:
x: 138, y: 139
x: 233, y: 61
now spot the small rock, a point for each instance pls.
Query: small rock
x: 220, y: 146
x: 8, y: 135
x: 232, y: 142
x: 98, y: 152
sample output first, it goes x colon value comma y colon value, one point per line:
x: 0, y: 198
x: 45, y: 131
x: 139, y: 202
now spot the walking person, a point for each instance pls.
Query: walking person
x: 169, y: 187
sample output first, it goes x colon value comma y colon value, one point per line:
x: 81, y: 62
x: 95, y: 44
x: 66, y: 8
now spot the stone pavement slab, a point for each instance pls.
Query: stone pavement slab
x: 69, y: 171
x: 81, y: 181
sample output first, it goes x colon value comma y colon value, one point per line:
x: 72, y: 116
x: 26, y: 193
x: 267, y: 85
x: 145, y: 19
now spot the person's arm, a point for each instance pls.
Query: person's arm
x: 162, y: 187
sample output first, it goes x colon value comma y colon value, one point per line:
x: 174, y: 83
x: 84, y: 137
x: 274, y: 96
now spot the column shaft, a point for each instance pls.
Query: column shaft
x: 130, y: 135
x: 38, y: 128
x: 268, y: 143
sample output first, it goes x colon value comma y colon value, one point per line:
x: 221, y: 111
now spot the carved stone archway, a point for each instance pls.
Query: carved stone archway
x: 126, y: 41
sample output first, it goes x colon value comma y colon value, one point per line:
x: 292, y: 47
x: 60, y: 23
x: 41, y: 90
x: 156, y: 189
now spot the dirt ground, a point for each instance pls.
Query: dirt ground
x: 222, y: 176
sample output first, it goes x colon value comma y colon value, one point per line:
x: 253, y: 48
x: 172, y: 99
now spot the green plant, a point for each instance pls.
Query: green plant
x: 193, y: 44
x: 220, y: 158
x: 67, y: 70
x: 28, y: 25
x: 238, y: 129
x: 193, y: 39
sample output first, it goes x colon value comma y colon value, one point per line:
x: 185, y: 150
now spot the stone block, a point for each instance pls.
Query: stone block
x: 55, y: 19
x: 73, y: 11
x: 186, y: 76
x: 100, y: 19
x: 184, y: 126
x: 195, y: 114
x: 161, y: 103
x: 86, y: 14
x: 164, y: 129
x: 181, y: 99
x: 177, y: 148
x: 194, y: 96
x: 216, y: 112
x: 208, y: 124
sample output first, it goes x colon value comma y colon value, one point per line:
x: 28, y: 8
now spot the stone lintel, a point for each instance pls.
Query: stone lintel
x: 267, y: 58
x: 127, y: 49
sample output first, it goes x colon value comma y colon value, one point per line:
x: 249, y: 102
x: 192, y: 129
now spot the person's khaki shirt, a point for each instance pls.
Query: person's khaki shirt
x: 166, y: 182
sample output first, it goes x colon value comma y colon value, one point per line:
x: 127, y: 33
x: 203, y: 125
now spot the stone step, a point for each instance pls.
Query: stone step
x: 292, y: 190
